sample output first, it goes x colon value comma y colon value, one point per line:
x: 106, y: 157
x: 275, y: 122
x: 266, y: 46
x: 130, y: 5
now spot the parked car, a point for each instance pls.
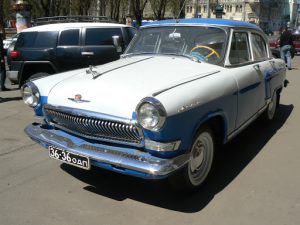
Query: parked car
x: 275, y: 45
x: 49, y: 49
x: 7, y: 42
x: 182, y: 88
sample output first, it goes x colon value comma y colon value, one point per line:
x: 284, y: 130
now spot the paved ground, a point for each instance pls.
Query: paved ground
x: 258, y: 181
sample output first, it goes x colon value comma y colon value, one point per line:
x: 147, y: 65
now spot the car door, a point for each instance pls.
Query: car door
x: 98, y: 47
x: 263, y: 65
x: 68, y: 50
x: 248, y: 77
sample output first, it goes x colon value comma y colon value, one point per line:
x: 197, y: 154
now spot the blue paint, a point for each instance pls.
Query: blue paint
x: 218, y: 22
x: 39, y: 108
x: 184, y: 126
x: 268, y: 77
x: 250, y: 87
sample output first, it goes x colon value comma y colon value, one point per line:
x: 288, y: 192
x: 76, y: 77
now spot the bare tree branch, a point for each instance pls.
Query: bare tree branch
x: 138, y: 10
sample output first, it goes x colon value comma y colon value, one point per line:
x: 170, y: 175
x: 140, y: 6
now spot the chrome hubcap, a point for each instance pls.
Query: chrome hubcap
x: 197, y: 156
x: 201, y: 158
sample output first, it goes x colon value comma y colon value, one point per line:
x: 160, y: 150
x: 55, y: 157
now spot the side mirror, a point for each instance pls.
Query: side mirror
x: 117, y: 43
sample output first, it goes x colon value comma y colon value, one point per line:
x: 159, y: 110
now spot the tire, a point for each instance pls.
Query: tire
x: 270, y: 112
x: 38, y: 76
x: 195, y: 172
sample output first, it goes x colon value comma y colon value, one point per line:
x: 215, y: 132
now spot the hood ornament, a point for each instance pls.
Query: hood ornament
x: 78, y: 99
x: 94, y: 73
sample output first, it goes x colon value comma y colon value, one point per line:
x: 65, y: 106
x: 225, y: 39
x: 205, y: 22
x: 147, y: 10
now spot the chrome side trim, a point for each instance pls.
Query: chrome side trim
x: 133, y: 159
x: 184, y: 81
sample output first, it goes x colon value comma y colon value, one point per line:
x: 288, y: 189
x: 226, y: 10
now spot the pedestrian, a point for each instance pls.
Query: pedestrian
x: 2, y: 66
x: 286, y: 44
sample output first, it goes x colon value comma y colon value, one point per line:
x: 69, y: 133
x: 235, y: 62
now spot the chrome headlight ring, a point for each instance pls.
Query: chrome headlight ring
x: 30, y: 94
x: 151, y: 114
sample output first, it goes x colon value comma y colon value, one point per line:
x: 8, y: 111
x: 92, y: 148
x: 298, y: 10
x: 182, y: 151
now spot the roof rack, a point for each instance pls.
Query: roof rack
x: 71, y: 19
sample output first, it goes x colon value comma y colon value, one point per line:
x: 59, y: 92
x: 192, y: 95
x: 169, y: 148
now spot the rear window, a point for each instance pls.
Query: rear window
x: 37, y: 39
x: 101, y: 36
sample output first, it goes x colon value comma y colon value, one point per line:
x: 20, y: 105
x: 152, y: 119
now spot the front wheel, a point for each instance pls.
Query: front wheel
x: 201, y: 159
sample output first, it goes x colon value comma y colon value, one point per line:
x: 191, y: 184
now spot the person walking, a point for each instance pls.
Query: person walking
x: 286, y: 43
x: 2, y: 66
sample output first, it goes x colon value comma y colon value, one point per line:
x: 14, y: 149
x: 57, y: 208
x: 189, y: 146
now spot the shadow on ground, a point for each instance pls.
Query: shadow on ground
x: 235, y: 156
x: 8, y: 99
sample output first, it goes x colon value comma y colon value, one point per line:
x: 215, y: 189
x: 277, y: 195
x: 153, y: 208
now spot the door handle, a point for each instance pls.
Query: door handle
x: 87, y: 53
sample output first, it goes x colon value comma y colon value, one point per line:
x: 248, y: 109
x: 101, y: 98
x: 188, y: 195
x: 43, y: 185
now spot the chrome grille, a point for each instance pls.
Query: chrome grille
x: 93, y: 127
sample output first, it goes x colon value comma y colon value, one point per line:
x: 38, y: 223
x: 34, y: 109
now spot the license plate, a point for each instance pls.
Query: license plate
x: 69, y: 158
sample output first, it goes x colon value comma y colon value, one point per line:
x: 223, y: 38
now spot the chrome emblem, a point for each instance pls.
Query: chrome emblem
x: 78, y: 99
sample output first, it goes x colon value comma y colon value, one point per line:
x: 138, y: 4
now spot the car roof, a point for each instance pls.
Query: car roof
x: 60, y: 26
x: 213, y: 22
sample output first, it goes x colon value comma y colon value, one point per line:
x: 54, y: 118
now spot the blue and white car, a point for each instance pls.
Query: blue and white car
x: 182, y: 88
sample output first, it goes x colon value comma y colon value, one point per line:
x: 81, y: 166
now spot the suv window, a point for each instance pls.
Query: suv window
x: 101, y: 36
x: 37, y: 39
x: 130, y: 32
x: 239, y: 51
x: 258, y: 47
x: 69, y: 37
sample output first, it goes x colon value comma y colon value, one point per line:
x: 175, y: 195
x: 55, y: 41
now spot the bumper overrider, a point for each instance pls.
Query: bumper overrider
x: 123, y: 160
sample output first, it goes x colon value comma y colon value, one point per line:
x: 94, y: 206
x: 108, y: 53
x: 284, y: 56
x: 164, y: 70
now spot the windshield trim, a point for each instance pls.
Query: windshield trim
x: 226, y: 29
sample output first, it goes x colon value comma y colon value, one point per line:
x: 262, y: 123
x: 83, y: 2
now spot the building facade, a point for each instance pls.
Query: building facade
x: 270, y: 15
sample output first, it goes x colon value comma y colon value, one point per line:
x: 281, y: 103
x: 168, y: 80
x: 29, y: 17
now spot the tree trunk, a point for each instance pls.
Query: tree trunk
x: 2, y: 22
x: 138, y: 10
x: 159, y: 8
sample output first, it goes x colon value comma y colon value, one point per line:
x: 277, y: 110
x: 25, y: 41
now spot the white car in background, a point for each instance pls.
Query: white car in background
x: 7, y: 42
x: 182, y: 88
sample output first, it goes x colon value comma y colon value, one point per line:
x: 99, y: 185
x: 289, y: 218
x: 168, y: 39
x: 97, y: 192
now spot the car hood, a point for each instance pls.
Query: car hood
x: 116, y: 88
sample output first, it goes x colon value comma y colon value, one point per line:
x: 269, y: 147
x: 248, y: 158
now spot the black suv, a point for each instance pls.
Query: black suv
x: 53, y: 48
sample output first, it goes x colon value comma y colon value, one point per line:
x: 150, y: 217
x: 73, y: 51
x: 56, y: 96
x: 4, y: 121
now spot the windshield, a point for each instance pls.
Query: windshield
x: 203, y: 43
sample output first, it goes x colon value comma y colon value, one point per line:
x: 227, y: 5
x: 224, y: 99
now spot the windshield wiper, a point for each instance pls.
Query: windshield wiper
x: 185, y: 56
x: 137, y: 53
x: 193, y: 58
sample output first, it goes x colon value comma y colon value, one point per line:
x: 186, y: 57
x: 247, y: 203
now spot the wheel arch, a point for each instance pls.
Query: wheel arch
x: 218, y: 123
x: 30, y: 68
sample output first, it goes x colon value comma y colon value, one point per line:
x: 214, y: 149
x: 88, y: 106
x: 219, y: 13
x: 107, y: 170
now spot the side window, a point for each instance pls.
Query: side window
x: 258, y: 47
x: 101, y: 36
x: 51, y: 38
x: 37, y: 39
x: 239, y: 50
x: 131, y: 32
x: 26, y: 39
x: 69, y: 38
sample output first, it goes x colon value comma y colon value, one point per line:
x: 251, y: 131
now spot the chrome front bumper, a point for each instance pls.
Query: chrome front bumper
x: 123, y: 160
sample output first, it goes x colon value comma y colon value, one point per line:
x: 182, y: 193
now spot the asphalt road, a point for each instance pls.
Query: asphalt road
x: 256, y: 182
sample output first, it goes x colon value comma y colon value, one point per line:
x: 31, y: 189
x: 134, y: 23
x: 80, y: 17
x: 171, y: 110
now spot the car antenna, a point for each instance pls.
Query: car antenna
x: 177, y: 18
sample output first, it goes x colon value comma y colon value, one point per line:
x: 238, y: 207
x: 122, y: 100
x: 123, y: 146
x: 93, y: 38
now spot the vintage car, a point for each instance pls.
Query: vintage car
x: 182, y: 88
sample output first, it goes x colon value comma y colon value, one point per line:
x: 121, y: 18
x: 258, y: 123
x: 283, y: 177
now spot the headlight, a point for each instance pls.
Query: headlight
x: 151, y: 114
x: 30, y: 94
